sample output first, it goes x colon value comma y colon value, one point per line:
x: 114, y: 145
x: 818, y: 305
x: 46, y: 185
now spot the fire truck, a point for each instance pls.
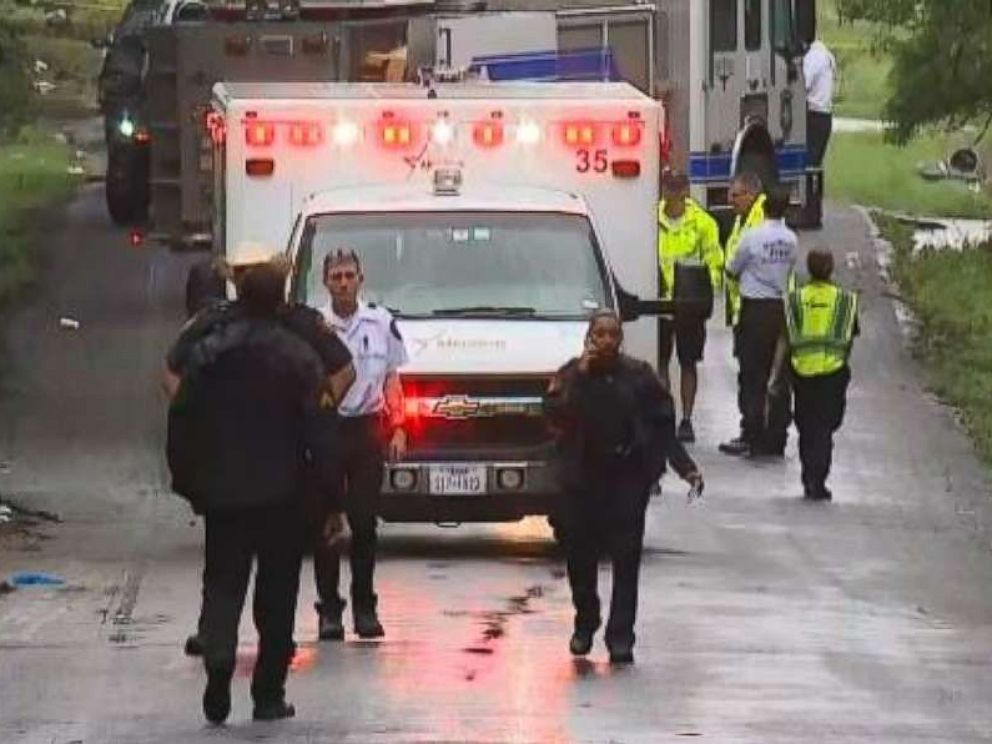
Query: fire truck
x: 728, y: 71
x: 491, y: 219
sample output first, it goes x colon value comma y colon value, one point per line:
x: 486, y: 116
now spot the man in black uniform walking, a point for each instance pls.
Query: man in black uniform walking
x: 251, y: 436
x: 212, y: 313
x: 616, y: 425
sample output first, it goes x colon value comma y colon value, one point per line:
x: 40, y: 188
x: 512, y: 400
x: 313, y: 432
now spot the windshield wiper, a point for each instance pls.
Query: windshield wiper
x: 494, y: 310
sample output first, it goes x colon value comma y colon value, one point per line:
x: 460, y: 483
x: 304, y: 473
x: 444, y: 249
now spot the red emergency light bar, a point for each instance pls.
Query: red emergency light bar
x: 260, y: 133
x: 627, y: 133
x: 395, y: 134
x: 580, y: 133
x: 306, y: 134
x: 488, y: 134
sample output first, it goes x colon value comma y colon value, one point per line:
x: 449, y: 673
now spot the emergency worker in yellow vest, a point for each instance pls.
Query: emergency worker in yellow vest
x: 748, y: 202
x: 822, y: 321
x: 687, y: 234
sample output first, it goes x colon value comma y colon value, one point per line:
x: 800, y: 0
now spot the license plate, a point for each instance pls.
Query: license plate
x: 458, y: 480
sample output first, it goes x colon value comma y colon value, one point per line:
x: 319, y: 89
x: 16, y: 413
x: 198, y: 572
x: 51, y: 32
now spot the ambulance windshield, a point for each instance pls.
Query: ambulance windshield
x: 462, y: 264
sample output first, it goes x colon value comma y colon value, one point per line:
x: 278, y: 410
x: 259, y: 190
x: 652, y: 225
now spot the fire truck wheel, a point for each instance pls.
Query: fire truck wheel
x: 761, y: 165
x: 558, y: 530
x: 126, y: 188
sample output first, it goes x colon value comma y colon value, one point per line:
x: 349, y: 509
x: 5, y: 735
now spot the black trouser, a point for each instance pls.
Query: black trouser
x: 820, y: 405
x: 606, y: 518
x: 274, y: 537
x: 361, y: 469
x: 778, y: 414
x: 740, y: 377
x: 818, y: 129
x: 762, y: 326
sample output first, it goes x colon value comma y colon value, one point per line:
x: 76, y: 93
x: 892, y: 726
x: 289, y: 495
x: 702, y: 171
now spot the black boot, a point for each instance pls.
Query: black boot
x: 330, y: 626
x: 581, y: 642
x: 275, y: 710
x: 621, y: 652
x: 194, y: 645
x: 366, y: 619
x: 217, y: 696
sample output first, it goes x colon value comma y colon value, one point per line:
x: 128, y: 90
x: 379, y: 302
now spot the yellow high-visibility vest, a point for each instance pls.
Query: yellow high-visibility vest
x: 821, y: 318
x: 733, y: 295
x: 695, y: 236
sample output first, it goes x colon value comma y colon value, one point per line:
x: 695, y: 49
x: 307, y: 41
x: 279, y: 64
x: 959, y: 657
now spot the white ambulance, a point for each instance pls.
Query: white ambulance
x: 490, y: 218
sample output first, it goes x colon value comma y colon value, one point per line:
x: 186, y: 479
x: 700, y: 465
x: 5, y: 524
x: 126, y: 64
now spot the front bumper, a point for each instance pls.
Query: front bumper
x: 537, y: 494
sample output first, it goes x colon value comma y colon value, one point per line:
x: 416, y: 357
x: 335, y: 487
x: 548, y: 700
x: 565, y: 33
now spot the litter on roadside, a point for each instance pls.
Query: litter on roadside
x: 69, y: 324
x: 35, y: 578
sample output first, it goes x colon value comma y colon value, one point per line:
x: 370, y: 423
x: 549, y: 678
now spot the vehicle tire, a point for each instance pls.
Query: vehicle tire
x: 756, y: 162
x: 558, y: 531
x: 120, y: 202
x: 127, y: 187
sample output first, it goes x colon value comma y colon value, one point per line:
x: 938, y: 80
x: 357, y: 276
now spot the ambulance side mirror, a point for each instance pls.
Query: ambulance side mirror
x: 631, y: 307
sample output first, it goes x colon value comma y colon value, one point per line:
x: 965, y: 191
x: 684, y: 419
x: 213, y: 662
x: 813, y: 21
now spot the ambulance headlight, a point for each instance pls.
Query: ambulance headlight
x: 528, y: 132
x: 443, y: 133
x: 345, y: 133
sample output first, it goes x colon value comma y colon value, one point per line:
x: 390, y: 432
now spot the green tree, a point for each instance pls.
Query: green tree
x: 15, y: 85
x: 942, y: 61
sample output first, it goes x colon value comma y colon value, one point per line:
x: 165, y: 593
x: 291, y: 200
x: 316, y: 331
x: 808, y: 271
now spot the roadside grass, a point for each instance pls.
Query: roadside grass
x: 950, y: 293
x: 862, y: 169
x: 863, y: 69
x: 33, y: 181
x: 84, y: 21
x: 73, y: 67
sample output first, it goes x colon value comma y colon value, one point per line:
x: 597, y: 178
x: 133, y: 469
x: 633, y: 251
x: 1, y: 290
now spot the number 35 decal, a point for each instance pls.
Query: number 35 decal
x: 592, y: 161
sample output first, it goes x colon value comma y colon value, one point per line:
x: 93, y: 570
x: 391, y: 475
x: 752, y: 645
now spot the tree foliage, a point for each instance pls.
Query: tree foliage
x: 942, y: 60
x: 15, y: 84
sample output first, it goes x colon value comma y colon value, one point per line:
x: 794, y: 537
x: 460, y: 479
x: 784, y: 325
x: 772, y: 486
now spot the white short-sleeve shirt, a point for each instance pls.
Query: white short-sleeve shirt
x: 819, y: 70
x: 765, y: 260
x: 377, y: 351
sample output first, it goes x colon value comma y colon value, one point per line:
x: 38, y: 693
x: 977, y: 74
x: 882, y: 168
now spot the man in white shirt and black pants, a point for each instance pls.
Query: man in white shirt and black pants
x: 371, y: 428
x: 819, y: 71
x: 763, y: 264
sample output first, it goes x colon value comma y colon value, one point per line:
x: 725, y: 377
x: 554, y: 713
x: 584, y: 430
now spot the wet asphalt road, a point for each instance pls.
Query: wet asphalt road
x: 763, y: 619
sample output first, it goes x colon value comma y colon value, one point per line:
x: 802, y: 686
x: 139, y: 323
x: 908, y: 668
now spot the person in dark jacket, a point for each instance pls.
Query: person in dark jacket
x: 206, y: 284
x: 251, y: 435
x: 616, y: 427
x: 212, y: 313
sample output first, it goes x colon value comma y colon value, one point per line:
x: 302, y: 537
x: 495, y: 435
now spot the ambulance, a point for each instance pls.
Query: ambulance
x: 490, y: 218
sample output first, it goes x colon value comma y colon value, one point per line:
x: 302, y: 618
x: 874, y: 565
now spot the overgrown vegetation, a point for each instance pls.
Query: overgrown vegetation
x: 48, y: 70
x: 15, y: 85
x: 34, y: 178
x: 864, y: 67
x: 950, y: 292
x: 863, y: 169
x: 941, y: 54
x: 48, y: 67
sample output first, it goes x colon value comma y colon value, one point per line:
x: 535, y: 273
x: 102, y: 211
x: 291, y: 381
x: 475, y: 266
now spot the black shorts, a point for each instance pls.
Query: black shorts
x: 688, y: 337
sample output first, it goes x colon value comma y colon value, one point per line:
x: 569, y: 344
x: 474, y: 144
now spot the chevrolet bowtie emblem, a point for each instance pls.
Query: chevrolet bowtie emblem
x: 457, y: 407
